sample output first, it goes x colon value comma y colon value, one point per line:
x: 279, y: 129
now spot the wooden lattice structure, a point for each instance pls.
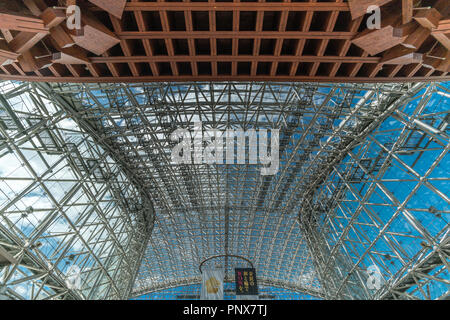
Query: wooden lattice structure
x: 136, y: 40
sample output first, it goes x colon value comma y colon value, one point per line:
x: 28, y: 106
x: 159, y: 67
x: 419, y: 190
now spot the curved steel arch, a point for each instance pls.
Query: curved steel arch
x: 224, y: 256
x: 314, y: 292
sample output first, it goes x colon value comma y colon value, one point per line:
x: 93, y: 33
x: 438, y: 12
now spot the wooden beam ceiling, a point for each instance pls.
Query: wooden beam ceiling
x: 136, y: 40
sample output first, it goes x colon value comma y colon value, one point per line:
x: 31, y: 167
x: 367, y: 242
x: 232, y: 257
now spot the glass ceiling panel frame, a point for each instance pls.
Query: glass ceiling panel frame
x: 66, y: 207
x: 310, y: 228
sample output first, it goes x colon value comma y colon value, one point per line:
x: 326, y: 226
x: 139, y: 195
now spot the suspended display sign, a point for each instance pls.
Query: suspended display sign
x: 246, y: 285
x: 212, y: 284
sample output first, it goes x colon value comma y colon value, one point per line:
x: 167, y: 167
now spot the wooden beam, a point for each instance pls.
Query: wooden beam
x: 358, y: 8
x: 14, y: 15
x: 442, y: 33
x: 389, y: 35
x: 301, y: 35
x: 34, y: 59
x: 126, y: 48
x: 21, y: 23
x: 443, y: 26
x: 405, y: 30
x: 164, y: 78
x: 53, y: 17
x: 70, y: 56
x: 27, y: 62
x: 437, y: 58
x: 443, y: 38
x: 443, y: 7
x: 444, y: 65
x: 7, y: 56
x: 307, y: 6
x: 36, y: 7
x: 114, y: 7
x: 377, y: 41
x: 407, y: 11
x: 230, y: 58
x: 7, y: 35
x: 24, y: 41
x: 62, y: 37
x: 417, y: 38
x: 344, y: 46
x: 96, y: 37
x: 94, y: 70
x: 14, y: 7
x: 148, y: 50
x: 401, y: 55
x: 428, y: 18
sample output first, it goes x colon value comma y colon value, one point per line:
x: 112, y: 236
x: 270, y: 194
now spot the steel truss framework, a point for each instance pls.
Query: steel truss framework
x: 64, y: 202
x: 87, y: 177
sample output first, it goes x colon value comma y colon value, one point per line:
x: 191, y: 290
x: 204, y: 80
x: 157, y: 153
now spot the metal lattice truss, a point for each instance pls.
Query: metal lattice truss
x: 64, y: 202
x: 363, y: 181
